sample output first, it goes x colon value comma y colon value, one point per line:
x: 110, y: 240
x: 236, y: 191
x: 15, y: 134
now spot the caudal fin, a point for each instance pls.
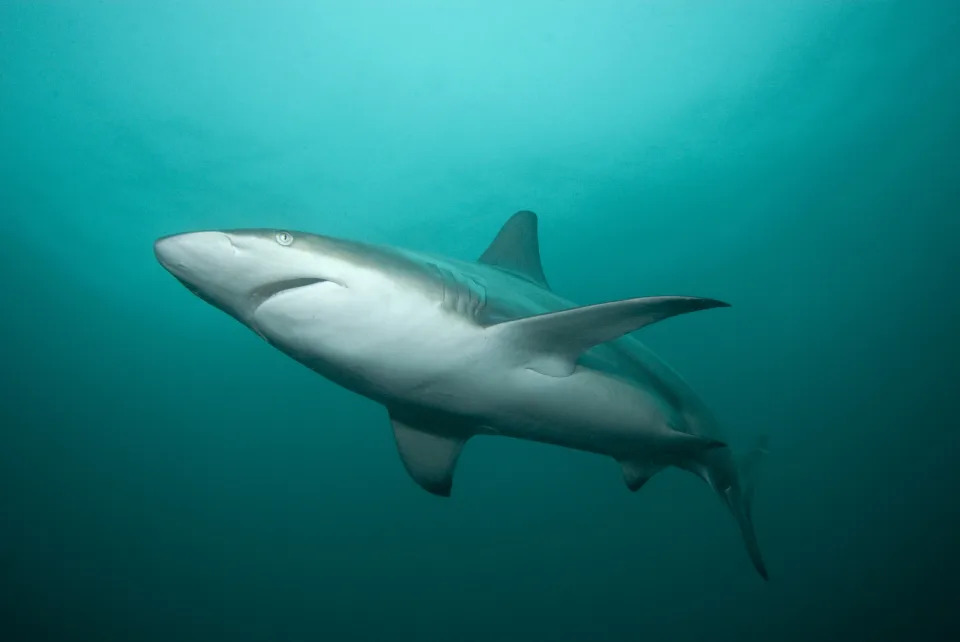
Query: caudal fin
x: 739, y: 499
x: 708, y: 458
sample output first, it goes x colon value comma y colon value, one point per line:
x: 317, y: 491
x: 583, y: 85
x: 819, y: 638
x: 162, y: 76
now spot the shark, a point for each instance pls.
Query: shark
x: 455, y: 349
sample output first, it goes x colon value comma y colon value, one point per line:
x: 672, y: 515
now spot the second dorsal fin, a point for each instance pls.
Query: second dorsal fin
x: 517, y: 248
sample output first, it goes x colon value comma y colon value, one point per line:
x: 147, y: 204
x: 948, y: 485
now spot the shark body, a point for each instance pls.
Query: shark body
x: 455, y: 349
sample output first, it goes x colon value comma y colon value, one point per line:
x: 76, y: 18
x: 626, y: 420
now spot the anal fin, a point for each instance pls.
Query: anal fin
x: 428, y: 449
x: 636, y: 474
x: 674, y: 449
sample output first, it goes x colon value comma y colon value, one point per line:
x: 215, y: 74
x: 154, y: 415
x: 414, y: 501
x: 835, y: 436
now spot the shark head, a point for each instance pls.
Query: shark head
x: 239, y: 271
x: 337, y: 306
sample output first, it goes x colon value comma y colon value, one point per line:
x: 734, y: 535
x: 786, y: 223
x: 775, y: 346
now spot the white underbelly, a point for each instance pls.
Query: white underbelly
x: 397, y: 349
x: 587, y: 410
x: 402, y: 351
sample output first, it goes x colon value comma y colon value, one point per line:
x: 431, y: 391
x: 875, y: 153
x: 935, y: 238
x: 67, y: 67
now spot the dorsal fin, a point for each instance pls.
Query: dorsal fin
x: 517, y: 248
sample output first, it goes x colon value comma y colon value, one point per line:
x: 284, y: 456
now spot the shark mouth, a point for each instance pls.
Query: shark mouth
x: 196, y: 291
x: 259, y: 295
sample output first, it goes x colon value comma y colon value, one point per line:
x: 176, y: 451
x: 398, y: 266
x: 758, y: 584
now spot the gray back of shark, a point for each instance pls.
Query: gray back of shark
x: 455, y: 349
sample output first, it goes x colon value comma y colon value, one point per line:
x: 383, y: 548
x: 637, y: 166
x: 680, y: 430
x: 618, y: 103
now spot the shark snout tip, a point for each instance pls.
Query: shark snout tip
x: 168, y: 248
x: 162, y: 248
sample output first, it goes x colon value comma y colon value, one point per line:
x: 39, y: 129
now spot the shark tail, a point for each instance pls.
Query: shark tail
x: 733, y: 480
x: 738, y: 497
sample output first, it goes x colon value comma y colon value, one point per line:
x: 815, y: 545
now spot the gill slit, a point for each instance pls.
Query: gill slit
x: 465, y: 295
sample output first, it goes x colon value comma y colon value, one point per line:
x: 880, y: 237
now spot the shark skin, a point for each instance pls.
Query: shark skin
x: 455, y: 349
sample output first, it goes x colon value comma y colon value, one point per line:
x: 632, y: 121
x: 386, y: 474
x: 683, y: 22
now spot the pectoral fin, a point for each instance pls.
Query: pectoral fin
x: 428, y: 455
x: 553, y: 342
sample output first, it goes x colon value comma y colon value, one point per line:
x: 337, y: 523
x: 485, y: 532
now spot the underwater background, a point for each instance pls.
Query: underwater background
x: 165, y: 475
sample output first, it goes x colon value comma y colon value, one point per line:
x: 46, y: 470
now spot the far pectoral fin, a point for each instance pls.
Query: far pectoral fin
x: 555, y: 341
x: 428, y: 455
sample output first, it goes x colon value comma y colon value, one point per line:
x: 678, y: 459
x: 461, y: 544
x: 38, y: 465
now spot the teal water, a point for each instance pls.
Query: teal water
x: 165, y: 475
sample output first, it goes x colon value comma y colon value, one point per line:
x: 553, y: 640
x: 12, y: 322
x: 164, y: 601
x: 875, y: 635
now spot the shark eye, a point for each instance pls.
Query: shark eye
x: 284, y: 238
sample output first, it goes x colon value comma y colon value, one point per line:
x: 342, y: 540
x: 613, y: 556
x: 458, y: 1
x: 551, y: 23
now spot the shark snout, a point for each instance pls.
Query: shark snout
x: 182, y: 254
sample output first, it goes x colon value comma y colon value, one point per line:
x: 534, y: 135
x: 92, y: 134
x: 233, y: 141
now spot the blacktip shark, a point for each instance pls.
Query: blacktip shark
x: 455, y: 349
